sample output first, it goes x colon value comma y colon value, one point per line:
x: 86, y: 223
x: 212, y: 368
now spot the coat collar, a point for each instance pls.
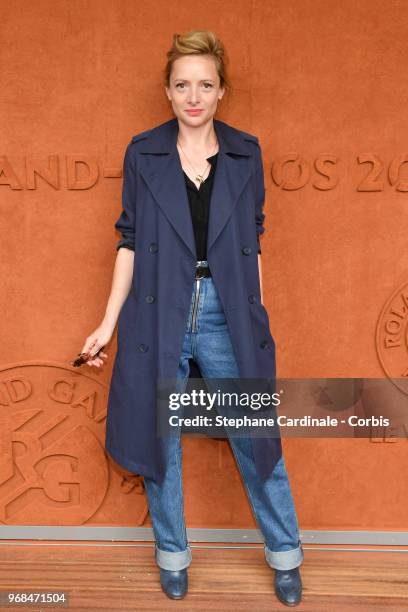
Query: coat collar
x: 161, y: 169
x: 163, y: 139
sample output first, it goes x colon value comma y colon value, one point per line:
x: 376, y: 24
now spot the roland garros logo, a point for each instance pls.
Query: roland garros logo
x: 392, y: 337
x: 53, y: 466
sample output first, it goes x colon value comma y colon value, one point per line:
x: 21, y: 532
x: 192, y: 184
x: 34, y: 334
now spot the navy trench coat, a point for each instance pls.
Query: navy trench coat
x: 156, y: 218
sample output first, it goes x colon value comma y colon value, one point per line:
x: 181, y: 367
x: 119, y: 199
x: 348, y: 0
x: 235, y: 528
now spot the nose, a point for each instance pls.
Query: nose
x: 194, y: 96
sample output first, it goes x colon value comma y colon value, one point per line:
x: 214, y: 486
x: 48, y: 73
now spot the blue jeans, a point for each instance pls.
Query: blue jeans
x: 207, y: 341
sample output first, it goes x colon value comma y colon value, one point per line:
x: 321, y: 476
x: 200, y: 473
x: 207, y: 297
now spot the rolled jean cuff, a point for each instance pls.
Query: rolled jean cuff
x: 173, y: 560
x: 284, y: 559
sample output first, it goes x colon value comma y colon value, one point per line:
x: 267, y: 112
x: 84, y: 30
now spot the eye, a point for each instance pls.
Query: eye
x: 178, y: 84
x: 209, y: 85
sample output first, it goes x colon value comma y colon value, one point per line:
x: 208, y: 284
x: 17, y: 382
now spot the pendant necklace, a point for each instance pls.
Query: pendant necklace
x: 199, y: 177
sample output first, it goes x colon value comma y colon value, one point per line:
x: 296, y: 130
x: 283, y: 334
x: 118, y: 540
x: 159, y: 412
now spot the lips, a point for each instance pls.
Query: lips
x: 194, y: 111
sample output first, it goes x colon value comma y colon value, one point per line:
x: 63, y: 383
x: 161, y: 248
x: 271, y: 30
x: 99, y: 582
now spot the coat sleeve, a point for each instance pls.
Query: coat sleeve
x: 260, y: 195
x: 126, y: 222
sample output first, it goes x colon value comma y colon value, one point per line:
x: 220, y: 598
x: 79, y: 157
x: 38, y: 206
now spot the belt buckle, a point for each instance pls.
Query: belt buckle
x: 200, y: 269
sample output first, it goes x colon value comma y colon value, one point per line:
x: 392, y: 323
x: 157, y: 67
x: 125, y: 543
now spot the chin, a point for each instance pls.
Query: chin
x: 200, y: 120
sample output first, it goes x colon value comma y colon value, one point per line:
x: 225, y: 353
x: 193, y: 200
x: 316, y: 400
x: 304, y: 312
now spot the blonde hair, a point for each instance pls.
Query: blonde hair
x: 198, y: 42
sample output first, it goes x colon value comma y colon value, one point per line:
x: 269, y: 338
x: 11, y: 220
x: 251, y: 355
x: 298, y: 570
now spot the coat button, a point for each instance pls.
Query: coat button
x: 247, y: 250
x: 143, y: 348
x: 153, y: 247
x: 149, y: 299
x: 251, y: 298
x: 264, y: 344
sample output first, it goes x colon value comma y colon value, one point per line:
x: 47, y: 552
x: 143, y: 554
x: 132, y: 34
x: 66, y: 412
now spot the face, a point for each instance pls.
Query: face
x: 194, y: 89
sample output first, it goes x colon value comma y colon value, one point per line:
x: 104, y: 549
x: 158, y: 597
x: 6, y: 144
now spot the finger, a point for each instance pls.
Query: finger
x: 87, y: 348
x: 94, y: 347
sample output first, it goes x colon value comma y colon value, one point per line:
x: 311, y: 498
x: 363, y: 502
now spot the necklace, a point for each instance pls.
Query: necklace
x: 199, y: 177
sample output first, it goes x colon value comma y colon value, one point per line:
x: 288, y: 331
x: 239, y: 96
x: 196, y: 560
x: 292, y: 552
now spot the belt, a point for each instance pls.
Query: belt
x: 202, y: 270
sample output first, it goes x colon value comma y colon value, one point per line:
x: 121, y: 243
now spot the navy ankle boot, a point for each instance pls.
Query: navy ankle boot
x: 288, y: 586
x: 174, y: 583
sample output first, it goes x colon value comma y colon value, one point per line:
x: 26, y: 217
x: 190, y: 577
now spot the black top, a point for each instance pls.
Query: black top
x: 199, y: 201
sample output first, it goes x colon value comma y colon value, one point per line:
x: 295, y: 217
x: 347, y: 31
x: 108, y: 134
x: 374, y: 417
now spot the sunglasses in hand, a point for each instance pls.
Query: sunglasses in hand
x: 84, y: 357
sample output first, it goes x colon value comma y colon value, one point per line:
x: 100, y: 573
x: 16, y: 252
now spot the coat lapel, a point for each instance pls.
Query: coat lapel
x: 162, y: 171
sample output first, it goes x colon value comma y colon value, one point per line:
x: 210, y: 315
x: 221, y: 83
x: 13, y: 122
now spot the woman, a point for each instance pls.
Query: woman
x: 187, y: 285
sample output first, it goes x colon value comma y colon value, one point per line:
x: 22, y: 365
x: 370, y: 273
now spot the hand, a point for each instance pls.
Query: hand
x: 97, y: 339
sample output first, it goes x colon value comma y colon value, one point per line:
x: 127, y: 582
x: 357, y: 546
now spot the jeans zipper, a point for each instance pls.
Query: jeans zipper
x: 195, y: 305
